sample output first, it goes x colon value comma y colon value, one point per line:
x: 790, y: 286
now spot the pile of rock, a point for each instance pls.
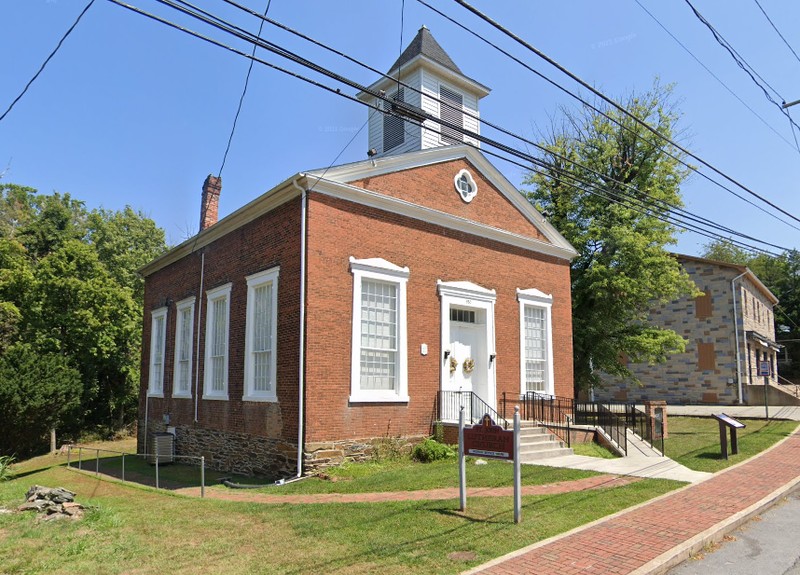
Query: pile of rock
x: 52, y: 503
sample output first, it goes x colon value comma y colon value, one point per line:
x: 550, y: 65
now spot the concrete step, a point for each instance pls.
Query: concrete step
x: 539, y: 440
x: 528, y: 457
x: 533, y: 431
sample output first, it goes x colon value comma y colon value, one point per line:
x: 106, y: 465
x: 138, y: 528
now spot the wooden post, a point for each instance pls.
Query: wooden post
x: 723, y: 439
x: 53, y: 441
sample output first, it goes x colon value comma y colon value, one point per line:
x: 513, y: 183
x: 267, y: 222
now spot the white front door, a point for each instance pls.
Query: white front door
x: 468, y: 347
x: 468, y: 368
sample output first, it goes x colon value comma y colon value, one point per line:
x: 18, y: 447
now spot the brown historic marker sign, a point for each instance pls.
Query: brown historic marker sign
x: 487, y: 439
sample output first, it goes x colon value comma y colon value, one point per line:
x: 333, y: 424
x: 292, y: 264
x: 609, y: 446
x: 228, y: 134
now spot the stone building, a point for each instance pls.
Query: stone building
x: 336, y: 308
x: 729, y: 332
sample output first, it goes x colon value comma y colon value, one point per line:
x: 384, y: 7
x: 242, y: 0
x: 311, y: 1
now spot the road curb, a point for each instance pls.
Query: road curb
x: 685, y: 550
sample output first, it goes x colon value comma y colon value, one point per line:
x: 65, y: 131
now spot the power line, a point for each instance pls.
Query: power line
x: 482, y: 119
x: 53, y: 53
x: 619, y: 107
x: 776, y: 29
x: 607, y: 116
x: 742, y: 63
x: 713, y: 75
x: 241, y: 98
x: 351, y: 83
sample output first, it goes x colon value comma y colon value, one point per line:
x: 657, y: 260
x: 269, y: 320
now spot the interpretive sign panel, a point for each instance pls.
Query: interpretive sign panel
x: 763, y: 368
x: 487, y: 439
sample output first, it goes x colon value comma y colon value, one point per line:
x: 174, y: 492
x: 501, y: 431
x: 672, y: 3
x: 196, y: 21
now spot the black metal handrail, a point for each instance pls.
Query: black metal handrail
x: 450, y: 403
x: 540, y: 407
x: 647, y: 428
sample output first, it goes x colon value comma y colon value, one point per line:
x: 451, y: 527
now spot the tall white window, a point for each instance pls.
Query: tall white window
x: 536, y: 343
x: 261, y: 336
x: 158, y: 335
x: 184, y: 330
x: 379, y: 357
x: 216, y: 360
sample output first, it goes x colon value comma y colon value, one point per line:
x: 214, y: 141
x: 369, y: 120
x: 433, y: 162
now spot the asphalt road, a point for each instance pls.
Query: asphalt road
x: 766, y: 545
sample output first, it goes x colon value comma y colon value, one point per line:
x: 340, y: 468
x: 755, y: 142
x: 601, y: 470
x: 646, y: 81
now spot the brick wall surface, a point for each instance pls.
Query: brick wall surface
x: 339, y: 229
x: 271, y: 240
x: 266, y: 433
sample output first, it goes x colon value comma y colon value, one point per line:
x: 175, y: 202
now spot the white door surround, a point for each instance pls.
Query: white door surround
x: 472, y: 332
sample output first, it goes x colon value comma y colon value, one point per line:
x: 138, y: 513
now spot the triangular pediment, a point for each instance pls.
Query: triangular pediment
x: 428, y: 179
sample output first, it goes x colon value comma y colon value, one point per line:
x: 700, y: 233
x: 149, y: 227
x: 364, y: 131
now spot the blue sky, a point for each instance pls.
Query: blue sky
x: 130, y: 112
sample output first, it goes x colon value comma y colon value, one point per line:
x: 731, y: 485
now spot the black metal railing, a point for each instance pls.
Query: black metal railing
x: 450, y: 403
x: 546, y: 408
x: 649, y: 429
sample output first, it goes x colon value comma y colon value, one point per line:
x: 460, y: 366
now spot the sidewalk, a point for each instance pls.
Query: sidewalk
x: 654, y: 536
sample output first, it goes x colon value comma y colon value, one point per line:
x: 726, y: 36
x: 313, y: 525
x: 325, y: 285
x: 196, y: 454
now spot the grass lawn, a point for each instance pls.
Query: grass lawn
x: 593, y: 449
x: 410, y: 476
x: 133, y: 529
x: 694, y: 441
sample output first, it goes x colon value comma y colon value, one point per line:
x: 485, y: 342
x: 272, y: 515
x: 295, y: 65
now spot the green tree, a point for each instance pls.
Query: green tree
x: 38, y: 392
x: 69, y: 287
x: 623, y: 267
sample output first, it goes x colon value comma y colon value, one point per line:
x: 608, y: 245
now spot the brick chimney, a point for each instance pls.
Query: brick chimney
x: 209, y: 205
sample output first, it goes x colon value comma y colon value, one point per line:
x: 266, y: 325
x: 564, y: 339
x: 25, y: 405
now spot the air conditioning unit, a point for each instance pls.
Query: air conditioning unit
x: 162, y: 448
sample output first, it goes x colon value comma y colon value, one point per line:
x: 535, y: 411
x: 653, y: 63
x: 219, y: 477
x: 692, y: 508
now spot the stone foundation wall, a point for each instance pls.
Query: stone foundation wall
x: 253, y: 455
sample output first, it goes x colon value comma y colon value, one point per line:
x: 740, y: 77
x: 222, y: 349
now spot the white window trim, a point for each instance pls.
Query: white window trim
x: 470, y: 196
x: 182, y: 305
x: 535, y: 298
x: 212, y: 295
x: 381, y: 270
x: 156, y: 314
x: 254, y: 281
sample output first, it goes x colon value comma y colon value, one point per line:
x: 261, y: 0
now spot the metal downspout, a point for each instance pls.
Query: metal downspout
x: 197, y: 344
x: 736, y: 331
x: 301, y: 370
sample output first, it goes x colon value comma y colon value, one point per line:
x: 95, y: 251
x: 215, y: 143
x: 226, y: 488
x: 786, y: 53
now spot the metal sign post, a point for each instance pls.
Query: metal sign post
x: 517, y: 470
x: 487, y: 439
x: 462, y: 466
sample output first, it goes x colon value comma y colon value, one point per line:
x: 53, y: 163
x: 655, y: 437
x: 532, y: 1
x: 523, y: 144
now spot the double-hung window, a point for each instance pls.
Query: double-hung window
x: 184, y: 331
x: 261, y: 336
x: 379, y: 346
x: 158, y: 336
x: 216, y: 360
x: 536, y: 343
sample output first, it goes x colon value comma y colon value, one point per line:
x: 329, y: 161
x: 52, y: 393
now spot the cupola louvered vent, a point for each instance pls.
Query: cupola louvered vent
x: 452, y: 111
x: 393, y: 126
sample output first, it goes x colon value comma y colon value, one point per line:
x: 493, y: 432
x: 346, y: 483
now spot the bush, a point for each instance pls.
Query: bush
x: 5, y: 467
x: 431, y: 450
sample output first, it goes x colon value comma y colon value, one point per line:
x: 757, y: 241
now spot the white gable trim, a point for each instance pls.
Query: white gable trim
x: 436, y: 217
x: 389, y: 164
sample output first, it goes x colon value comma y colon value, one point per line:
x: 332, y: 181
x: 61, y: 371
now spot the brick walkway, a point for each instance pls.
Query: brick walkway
x: 597, y: 482
x: 654, y: 535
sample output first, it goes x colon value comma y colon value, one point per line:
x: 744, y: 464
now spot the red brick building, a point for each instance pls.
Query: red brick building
x: 334, y: 308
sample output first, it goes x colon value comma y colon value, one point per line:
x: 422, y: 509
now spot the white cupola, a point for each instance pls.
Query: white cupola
x: 429, y: 80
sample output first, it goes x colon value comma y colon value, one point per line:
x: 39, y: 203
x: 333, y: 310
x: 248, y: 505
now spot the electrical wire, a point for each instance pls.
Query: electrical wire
x: 607, y: 116
x: 442, y: 102
x: 241, y: 98
x: 47, y: 60
x: 616, y: 105
x: 339, y: 78
x: 748, y: 69
x: 713, y: 75
x: 785, y: 41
